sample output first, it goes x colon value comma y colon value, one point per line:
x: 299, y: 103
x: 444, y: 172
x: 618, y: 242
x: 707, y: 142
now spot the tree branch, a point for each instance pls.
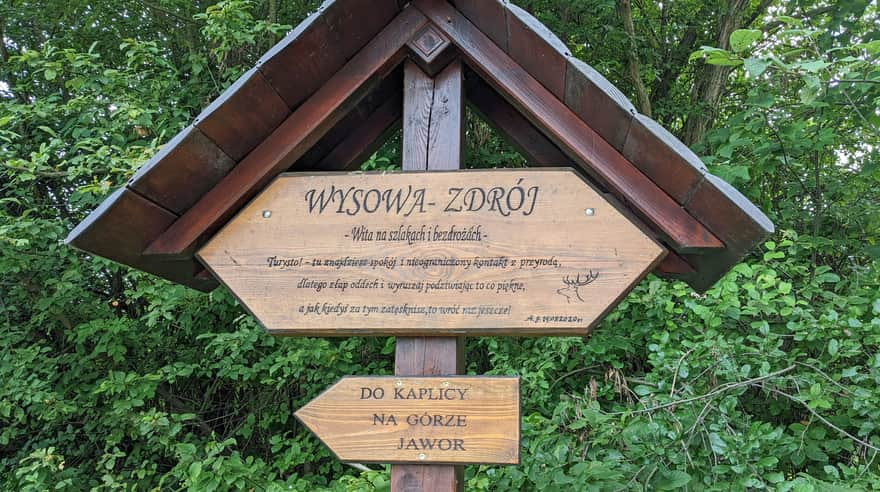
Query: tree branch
x: 173, y: 15
x: 807, y: 15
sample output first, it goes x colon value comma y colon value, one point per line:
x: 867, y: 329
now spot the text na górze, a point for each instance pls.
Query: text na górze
x: 454, y: 419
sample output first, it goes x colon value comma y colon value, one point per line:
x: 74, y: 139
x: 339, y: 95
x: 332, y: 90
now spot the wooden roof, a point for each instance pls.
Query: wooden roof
x: 328, y: 95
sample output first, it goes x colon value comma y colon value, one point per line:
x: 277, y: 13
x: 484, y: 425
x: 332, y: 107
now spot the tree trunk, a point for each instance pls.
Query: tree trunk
x: 710, y: 80
x: 633, y: 65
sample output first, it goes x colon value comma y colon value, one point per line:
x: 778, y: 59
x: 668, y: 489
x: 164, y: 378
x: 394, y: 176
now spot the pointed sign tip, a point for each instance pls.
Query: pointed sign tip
x: 438, y: 420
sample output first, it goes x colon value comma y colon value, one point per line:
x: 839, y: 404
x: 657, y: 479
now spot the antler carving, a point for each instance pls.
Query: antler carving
x: 577, y: 282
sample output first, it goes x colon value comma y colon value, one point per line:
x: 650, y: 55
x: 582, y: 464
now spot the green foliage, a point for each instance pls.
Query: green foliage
x: 112, y: 379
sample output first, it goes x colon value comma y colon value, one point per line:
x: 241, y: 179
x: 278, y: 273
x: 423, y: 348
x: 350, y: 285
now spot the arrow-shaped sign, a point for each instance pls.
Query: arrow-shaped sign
x: 503, y: 252
x: 448, y: 420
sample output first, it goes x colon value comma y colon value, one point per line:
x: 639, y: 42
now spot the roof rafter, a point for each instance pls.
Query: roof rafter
x: 596, y: 156
x: 292, y: 139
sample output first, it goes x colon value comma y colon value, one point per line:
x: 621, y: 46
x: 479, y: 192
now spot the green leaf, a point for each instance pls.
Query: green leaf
x: 811, y: 89
x: 833, y: 347
x: 872, y: 47
x: 813, y: 66
x: 741, y: 39
x: 756, y: 66
x: 195, y: 469
x: 788, y: 20
x: 50, y: 74
x: 775, y: 477
x: 717, y: 443
x: 47, y: 130
x: 672, y: 480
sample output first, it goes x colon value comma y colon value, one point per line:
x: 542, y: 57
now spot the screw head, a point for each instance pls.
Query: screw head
x: 445, y: 384
x: 423, y: 456
x: 590, y: 212
x: 267, y: 214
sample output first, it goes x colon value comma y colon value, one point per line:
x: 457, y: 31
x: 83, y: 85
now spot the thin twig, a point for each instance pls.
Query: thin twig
x: 819, y: 416
x: 853, y: 81
x: 360, y: 467
x: 721, y: 389
x: 678, y: 368
x: 826, y: 376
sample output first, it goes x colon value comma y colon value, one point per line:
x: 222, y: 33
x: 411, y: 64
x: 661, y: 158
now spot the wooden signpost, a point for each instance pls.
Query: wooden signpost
x: 425, y: 256
x: 452, y: 420
x: 510, y: 252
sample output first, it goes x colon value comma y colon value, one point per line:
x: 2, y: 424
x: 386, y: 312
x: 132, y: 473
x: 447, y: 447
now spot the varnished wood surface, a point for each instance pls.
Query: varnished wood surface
x: 489, y: 15
x: 547, y: 267
x: 537, y: 50
x: 292, y: 139
x: 598, y: 102
x: 244, y: 115
x: 390, y: 88
x: 419, y: 420
x: 418, y: 101
x: 365, y: 139
x: 190, y: 157
x: 319, y: 47
x: 428, y: 356
x: 446, y: 147
x: 673, y: 166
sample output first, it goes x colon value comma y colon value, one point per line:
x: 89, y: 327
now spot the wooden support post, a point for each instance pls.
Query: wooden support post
x: 433, y: 140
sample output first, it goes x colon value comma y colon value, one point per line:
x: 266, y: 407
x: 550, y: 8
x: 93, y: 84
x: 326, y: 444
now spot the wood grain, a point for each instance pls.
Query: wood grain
x: 431, y: 50
x: 663, y: 158
x: 548, y: 113
x: 190, y: 157
x: 428, y: 356
x: 489, y: 15
x: 547, y: 269
x: 292, y: 139
x: 244, y: 115
x: 389, y: 88
x: 446, y: 147
x: 453, y: 419
x: 418, y: 100
x: 309, y: 56
x: 537, y: 50
x: 598, y: 102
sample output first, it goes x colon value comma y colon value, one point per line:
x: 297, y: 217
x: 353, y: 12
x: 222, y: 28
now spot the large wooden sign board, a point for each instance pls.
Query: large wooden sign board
x: 499, y: 252
x: 445, y: 420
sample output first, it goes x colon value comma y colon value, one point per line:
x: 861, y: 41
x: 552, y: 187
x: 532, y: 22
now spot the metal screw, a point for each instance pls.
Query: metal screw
x: 399, y: 383
x: 445, y: 384
x: 590, y: 212
x: 423, y: 456
x: 267, y: 214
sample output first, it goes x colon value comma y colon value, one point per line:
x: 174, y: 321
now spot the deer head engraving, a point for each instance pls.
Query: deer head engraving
x: 572, y: 290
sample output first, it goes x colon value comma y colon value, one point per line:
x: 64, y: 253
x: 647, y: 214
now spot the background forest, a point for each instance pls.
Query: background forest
x: 113, y: 379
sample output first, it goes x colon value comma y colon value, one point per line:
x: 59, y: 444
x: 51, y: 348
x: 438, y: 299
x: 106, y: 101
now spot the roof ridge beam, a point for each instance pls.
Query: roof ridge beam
x: 292, y: 139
